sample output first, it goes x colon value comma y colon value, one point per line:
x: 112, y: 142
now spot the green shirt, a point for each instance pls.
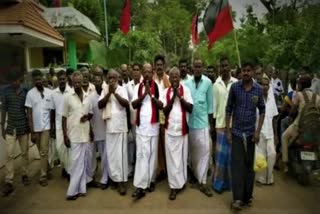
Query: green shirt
x: 202, y: 96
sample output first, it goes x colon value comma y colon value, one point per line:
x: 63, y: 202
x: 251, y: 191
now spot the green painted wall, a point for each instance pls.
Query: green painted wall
x: 72, y: 52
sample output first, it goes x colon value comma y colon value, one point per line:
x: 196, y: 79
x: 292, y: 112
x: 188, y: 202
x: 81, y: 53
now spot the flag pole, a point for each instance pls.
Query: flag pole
x: 106, y: 22
x: 236, y: 40
x: 237, y: 47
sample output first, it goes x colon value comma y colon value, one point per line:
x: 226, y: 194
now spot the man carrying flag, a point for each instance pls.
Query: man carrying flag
x: 217, y: 20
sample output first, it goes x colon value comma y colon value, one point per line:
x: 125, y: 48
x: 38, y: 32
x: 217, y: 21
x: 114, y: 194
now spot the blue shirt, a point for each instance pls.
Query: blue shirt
x: 242, y: 107
x: 202, y: 96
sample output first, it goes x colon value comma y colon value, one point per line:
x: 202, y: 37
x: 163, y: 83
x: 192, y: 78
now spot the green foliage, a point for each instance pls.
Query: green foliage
x: 92, y: 9
x: 288, y: 38
x: 140, y: 46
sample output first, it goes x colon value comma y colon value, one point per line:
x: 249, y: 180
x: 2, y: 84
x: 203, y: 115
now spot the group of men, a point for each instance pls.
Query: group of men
x: 146, y: 124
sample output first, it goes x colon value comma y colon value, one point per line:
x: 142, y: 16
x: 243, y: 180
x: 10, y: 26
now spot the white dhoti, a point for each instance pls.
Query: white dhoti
x: 52, y: 153
x: 63, y: 151
x: 131, y: 148
x: 117, y: 156
x: 176, y: 157
x: 199, y: 147
x: 92, y: 160
x: 78, y: 174
x: 101, y: 145
x: 146, y: 160
x: 267, y: 148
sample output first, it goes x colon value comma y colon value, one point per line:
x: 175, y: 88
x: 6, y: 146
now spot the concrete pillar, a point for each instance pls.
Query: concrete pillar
x: 72, y: 52
x: 27, y: 58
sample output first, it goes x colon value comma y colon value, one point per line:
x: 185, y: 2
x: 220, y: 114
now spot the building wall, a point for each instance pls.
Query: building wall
x: 36, y: 57
x: 11, y: 57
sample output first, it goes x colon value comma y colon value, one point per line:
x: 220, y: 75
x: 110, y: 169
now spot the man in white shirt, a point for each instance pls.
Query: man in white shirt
x: 38, y: 103
x: 99, y: 128
x: 136, y: 79
x: 146, y: 100
x: 124, y: 74
x: 114, y: 98
x: 57, y: 98
x: 183, y: 67
x: 221, y: 88
x: 276, y: 84
x: 162, y: 80
x: 177, y: 102
x: 87, y: 86
x: 76, y: 114
x: 268, y: 135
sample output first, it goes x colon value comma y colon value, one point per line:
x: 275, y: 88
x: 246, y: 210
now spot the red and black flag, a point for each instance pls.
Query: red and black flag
x: 194, y: 29
x: 217, y: 20
x: 125, y: 20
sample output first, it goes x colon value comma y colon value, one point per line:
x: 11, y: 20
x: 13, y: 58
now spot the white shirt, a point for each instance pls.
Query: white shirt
x: 104, y: 84
x: 73, y: 110
x: 41, y: 108
x: 146, y: 128
x: 130, y: 90
x: 57, y: 98
x: 98, y: 124
x: 160, y: 82
x: 175, y: 116
x: 183, y: 81
x: 91, y: 89
x: 118, y: 121
x: 130, y: 87
x: 271, y: 112
x: 220, y: 97
x: 277, y: 86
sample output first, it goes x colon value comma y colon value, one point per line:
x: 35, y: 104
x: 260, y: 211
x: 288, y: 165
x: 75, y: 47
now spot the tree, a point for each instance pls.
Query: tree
x: 139, y: 46
x: 92, y: 9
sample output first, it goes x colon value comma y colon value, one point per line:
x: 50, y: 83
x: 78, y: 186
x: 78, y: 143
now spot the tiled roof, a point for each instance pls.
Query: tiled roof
x: 27, y: 14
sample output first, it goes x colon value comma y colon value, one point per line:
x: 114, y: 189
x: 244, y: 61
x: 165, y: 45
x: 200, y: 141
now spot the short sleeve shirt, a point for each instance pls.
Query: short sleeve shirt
x: 202, y: 95
x: 118, y: 121
x: 57, y: 98
x: 41, y: 107
x: 73, y: 110
x: 97, y: 123
x: 13, y: 105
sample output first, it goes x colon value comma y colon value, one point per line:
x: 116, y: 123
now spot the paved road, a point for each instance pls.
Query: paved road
x: 286, y: 196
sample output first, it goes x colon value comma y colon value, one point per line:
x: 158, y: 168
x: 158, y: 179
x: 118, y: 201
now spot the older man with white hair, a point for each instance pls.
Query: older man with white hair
x: 146, y: 100
x: 114, y: 101
x: 76, y: 130
x: 178, y: 104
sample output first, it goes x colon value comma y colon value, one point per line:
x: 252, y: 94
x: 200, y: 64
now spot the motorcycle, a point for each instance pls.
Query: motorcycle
x: 304, y: 162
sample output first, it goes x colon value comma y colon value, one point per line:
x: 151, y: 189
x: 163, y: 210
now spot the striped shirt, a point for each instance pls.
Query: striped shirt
x: 13, y: 104
x: 242, y: 107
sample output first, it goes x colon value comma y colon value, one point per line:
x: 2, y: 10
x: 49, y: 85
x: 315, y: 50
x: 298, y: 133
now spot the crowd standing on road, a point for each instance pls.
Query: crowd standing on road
x: 148, y: 123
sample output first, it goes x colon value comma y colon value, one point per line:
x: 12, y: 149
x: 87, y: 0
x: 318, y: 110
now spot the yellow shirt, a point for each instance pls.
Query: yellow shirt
x: 220, y: 97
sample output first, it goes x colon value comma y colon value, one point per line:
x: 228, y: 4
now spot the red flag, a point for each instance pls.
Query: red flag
x: 194, y: 29
x: 217, y: 20
x: 125, y: 17
x: 56, y: 3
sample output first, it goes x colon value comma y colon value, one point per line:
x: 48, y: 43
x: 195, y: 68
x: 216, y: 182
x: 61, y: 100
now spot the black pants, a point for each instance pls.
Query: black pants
x: 242, y: 161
